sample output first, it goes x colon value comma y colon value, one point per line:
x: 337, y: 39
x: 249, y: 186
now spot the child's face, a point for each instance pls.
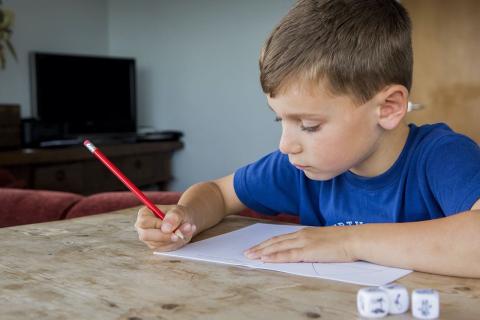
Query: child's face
x: 325, y: 135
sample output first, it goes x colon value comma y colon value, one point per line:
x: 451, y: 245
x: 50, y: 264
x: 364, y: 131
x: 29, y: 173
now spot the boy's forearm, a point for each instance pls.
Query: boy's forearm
x: 449, y: 246
x: 205, y: 204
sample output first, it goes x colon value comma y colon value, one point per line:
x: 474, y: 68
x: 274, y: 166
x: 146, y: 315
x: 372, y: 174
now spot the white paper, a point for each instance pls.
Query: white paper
x: 228, y: 249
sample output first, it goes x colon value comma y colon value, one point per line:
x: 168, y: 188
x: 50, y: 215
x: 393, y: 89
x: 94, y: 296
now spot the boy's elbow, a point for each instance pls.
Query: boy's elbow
x: 474, y: 243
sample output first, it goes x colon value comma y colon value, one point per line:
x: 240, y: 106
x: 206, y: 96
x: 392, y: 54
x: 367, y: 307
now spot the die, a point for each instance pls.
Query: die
x: 372, y: 302
x: 425, y: 304
x: 398, y: 299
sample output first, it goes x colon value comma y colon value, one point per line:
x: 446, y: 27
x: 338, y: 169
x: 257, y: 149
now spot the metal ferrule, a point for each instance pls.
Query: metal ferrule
x: 90, y: 146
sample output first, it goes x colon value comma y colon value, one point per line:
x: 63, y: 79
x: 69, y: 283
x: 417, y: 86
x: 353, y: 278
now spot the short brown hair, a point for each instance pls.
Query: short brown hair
x: 357, y: 46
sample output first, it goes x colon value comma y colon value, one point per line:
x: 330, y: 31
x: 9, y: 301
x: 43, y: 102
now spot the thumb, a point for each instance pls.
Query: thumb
x: 173, y: 219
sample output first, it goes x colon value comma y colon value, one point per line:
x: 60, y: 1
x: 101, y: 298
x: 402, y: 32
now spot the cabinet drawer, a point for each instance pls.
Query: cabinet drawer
x: 139, y: 169
x: 73, y: 169
x: 98, y: 178
x: 162, y: 170
x: 67, y: 177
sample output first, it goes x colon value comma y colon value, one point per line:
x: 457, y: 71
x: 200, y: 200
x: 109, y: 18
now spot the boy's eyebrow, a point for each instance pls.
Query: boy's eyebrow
x: 300, y: 115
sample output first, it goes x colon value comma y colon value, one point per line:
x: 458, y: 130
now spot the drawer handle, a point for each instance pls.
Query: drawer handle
x: 60, y: 175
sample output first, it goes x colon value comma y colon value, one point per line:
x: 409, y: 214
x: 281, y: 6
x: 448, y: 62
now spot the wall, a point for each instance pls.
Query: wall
x: 197, y: 68
x: 198, y: 72
x: 64, y: 26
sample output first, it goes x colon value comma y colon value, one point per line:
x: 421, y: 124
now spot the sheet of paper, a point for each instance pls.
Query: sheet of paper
x: 228, y: 249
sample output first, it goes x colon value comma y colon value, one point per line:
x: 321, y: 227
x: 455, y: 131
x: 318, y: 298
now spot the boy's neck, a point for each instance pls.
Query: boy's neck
x: 387, y: 151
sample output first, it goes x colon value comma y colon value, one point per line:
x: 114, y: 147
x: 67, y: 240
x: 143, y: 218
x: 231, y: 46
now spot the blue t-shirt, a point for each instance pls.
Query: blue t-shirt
x: 437, y: 174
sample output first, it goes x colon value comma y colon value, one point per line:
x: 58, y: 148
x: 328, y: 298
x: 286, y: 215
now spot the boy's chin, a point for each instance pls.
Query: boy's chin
x: 320, y: 176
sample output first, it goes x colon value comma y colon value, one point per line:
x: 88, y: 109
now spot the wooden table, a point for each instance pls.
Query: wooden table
x: 95, y: 268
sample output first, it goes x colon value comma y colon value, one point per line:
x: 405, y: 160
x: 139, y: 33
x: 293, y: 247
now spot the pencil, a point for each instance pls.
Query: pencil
x: 129, y: 184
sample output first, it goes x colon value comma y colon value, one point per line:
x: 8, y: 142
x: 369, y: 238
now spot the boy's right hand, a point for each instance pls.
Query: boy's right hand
x: 158, y: 234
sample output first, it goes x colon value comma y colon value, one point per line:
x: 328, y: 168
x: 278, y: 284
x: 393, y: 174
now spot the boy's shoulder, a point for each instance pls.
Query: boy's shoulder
x: 439, y: 138
x: 447, y: 166
x: 432, y: 132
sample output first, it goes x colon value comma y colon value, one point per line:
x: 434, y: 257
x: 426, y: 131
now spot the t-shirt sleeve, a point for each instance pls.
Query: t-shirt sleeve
x: 269, y: 185
x: 453, y: 173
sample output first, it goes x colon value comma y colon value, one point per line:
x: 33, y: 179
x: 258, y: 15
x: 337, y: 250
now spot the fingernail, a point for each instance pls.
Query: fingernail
x: 174, y: 237
x: 167, y: 227
x: 187, y: 227
x: 194, y: 228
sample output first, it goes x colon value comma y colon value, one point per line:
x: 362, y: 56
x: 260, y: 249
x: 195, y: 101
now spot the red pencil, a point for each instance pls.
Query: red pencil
x: 129, y: 184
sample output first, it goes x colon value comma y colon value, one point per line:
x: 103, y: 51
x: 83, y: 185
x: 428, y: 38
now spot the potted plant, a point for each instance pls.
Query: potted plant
x: 6, y: 23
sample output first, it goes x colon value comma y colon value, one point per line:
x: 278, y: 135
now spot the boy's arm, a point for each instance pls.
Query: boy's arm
x: 207, y: 203
x: 200, y: 207
x: 449, y: 246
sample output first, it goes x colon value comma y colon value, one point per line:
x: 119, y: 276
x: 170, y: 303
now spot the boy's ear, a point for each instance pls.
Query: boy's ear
x: 392, y: 106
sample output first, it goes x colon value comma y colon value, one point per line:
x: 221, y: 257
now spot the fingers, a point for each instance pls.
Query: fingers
x: 147, y: 220
x: 154, y: 235
x: 158, y: 234
x: 156, y: 239
x: 172, y: 220
x: 274, y: 248
x: 290, y: 255
x: 271, y: 241
x: 187, y: 230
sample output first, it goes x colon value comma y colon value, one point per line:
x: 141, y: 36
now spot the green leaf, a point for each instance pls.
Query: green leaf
x: 12, y: 49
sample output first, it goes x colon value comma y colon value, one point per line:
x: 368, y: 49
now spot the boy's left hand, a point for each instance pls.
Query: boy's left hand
x: 323, y: 244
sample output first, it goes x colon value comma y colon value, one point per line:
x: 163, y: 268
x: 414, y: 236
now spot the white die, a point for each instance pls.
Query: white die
x: 372, y: 302
x: 398, y: 299
x: 425, y: 304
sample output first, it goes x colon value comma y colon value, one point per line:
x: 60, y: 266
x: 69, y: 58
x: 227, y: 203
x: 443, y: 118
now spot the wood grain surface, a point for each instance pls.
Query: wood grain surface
x: 96, y: 268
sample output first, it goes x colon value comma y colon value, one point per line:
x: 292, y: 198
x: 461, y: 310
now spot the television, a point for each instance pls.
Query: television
x: 84, y: 95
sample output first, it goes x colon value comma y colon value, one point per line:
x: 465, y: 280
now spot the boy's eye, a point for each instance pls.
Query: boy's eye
x: 310, y: 129
x: 310, y: 126
x: 304, y: 126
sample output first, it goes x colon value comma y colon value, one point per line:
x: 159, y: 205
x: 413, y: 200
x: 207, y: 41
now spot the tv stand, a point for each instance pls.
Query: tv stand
x: 60, y: 143
x: 74, y: 169
x: 100, y: 141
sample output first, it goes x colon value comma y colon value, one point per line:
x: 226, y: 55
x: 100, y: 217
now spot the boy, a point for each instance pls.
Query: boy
x: 337, y: 74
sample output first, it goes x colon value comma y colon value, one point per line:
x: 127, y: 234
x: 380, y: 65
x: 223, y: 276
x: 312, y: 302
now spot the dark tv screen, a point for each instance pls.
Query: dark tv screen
x: 85, y: 94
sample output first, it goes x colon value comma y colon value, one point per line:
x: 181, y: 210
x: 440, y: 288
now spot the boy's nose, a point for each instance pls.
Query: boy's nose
x: 288, y: 144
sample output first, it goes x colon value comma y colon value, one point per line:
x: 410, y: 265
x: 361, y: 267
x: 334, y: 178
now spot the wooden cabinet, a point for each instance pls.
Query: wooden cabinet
x: 75, y: 169
x: 58, y: 177
x: 446, y: 72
